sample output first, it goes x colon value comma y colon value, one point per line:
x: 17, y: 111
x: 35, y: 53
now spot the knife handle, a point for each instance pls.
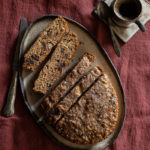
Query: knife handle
x: 9, y: 106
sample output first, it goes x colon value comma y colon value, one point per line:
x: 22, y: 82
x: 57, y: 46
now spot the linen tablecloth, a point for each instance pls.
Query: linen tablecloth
x: 20, y: 132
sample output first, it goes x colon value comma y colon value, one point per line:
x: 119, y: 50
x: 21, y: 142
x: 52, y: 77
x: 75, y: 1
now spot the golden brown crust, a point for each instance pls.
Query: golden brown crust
x: 45, y: 106
x: 44, y: 43
x: 94, y: 117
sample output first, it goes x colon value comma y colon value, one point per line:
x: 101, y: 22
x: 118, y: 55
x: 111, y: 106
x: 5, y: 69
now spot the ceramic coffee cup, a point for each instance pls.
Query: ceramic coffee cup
x: 127, y: 12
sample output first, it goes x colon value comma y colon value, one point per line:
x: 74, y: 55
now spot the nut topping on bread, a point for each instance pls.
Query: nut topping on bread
x: 94, y: 117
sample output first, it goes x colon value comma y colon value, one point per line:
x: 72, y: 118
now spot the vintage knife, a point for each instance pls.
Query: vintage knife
x: 10, y: 101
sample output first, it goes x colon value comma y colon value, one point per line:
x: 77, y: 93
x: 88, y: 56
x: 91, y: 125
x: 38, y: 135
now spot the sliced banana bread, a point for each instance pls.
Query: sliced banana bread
x: 85, y: 61
x: 94, y: 117
x: 44, y: 43
x: 62, y: 107
x: 60, y: 58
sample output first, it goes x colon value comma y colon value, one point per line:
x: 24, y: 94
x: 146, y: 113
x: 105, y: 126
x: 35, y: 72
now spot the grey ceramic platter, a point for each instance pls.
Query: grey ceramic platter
x: 33, y: 100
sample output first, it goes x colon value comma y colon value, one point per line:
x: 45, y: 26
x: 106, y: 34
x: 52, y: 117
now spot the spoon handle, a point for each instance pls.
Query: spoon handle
x: 114, y: 41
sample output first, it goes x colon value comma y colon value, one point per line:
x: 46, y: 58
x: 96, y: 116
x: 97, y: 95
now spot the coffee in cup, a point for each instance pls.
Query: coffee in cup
x: 127, y: 12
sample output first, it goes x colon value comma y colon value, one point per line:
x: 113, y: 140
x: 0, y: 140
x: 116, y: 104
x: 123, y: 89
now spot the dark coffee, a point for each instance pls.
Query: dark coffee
x: 129, y: 10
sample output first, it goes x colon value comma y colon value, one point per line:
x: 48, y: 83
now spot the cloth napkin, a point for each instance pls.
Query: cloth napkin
x: 20, y: 132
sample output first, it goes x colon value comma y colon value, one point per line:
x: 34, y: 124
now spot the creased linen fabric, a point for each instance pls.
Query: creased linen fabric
x: 20, y: 132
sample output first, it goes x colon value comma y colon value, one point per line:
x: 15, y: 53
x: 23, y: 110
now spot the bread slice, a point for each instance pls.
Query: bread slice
x: 72, y: 77
x: 94, y: 117
x: 44, y: 43
x: 62, y: 107
x: 60, y: 58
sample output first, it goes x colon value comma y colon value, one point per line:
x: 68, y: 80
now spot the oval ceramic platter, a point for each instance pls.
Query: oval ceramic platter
x: 88, y: 43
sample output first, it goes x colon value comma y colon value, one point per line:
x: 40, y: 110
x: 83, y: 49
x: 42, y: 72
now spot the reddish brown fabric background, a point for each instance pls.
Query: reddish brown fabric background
x: 20, y: 132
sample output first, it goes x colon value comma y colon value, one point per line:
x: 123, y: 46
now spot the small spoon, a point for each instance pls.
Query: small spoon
x: 104, y: 13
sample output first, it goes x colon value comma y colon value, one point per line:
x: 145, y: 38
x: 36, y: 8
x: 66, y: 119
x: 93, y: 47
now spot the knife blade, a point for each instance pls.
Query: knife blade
x: 9, y: 109
x: 104, y: 13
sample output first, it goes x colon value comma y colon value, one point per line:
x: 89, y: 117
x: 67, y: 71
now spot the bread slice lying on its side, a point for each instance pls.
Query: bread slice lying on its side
x: 94, y: 117
x: 71, y: 78
x: 44, y: 43
x: 54, y: 67
x: 64, y: 105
